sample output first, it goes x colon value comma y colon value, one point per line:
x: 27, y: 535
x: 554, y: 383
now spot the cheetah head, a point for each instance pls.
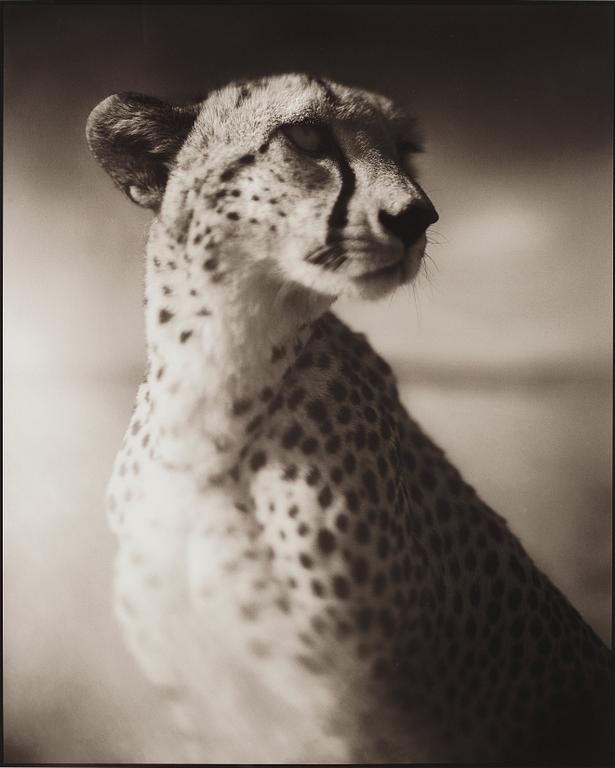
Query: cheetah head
x: 306, y: 180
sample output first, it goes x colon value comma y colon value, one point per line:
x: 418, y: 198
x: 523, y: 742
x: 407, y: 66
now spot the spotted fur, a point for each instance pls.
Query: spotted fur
x: 300, y: 568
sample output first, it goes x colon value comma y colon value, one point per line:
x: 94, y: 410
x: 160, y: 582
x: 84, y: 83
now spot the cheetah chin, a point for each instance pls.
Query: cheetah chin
x: 377, y: 281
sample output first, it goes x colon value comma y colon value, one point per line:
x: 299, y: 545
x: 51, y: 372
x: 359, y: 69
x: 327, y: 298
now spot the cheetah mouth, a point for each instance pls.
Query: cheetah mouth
x: 378, y: 281
x: 400, y: 265
x: 390, y: 270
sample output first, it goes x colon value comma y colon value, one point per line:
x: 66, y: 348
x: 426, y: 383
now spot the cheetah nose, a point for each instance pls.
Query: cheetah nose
x: 410, y: 224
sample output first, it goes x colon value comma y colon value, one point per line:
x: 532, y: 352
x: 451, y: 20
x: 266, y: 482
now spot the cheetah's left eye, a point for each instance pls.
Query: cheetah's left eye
x: 308, y: 137
x: 407, y: 154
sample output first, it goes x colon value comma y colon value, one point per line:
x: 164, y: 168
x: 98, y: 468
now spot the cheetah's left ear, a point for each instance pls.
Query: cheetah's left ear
x: 136, y: 139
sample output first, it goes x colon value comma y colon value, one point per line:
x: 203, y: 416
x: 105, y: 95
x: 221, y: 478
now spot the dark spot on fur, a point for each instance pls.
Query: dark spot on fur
x: 443, y: 510
x: 316, y: 410
x: 336, y: 475
x: 290, y: 472
x: 258, y: 460
x: 277, y: 353
x: 359, y: 438
x: 344, y: 415
x: 370, y: 484
x: 352, y: 501
x: 361, y: 533
x: 379, y: 583
x: 241, y: 406
x: 340, y: 587
x: 305, y: 560
x: 325, y: 497
x: 341, y: 522
x: 275, y: 404
x: 349, y: 463
x: 309, y: 446
x: 184, y: 336
x: 360, y: 570
x: 493, y: 611
x: 254, y: 423
x: 313, y: 476
x: 338, y: 390
x: 370, y: 414
x: 326, y: 541
x: 373, y: 441
x: 164, y: 316
x: 364, y: 619
x: 292, y: 436
x: 306, y: 360
x: 428, y: 480
x: 491, y: 563
x: 515, y: 567
x: 296, y: 397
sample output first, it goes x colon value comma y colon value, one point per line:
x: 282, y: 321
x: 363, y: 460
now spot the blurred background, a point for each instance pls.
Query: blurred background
x: 503, y: 351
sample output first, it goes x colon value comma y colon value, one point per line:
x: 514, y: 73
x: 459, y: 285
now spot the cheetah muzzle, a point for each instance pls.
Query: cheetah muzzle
x: 300, y: 569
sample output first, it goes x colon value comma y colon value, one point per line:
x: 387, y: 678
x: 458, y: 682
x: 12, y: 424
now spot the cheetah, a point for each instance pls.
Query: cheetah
x: 300, y: 569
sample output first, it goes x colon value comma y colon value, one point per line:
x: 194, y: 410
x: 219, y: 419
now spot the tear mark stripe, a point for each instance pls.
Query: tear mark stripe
x: 338, y: 217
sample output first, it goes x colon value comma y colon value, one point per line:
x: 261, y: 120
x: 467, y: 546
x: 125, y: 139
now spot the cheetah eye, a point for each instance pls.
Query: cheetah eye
x: 310, y: 138
x: 407, y: 154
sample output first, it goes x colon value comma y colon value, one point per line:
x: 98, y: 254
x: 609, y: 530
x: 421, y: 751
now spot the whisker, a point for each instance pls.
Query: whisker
x: 331, y: 257
x: 436, y: 238
x: 322, y: 257
x: 342, y: 258
x: 428, y: 256
x: 328, y: 255
x: 426, y: 271
x: 339, y: 257
x: 318, y: 255
x: 416, y: 305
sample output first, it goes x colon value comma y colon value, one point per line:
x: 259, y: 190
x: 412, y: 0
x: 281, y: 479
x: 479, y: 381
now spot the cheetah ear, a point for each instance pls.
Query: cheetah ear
x: 136, y: 139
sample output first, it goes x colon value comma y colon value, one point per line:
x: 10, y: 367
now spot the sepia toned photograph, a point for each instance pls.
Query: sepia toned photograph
x: 307, y: 383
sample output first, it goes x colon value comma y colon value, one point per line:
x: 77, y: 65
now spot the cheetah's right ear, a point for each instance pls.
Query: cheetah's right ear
x: 136, y: 138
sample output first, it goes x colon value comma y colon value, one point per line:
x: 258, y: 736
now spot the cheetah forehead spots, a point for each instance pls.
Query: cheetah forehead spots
x: 247, y: 111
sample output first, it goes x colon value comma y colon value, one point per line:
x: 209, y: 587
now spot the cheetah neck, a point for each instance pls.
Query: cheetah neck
x: 218, y: 347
